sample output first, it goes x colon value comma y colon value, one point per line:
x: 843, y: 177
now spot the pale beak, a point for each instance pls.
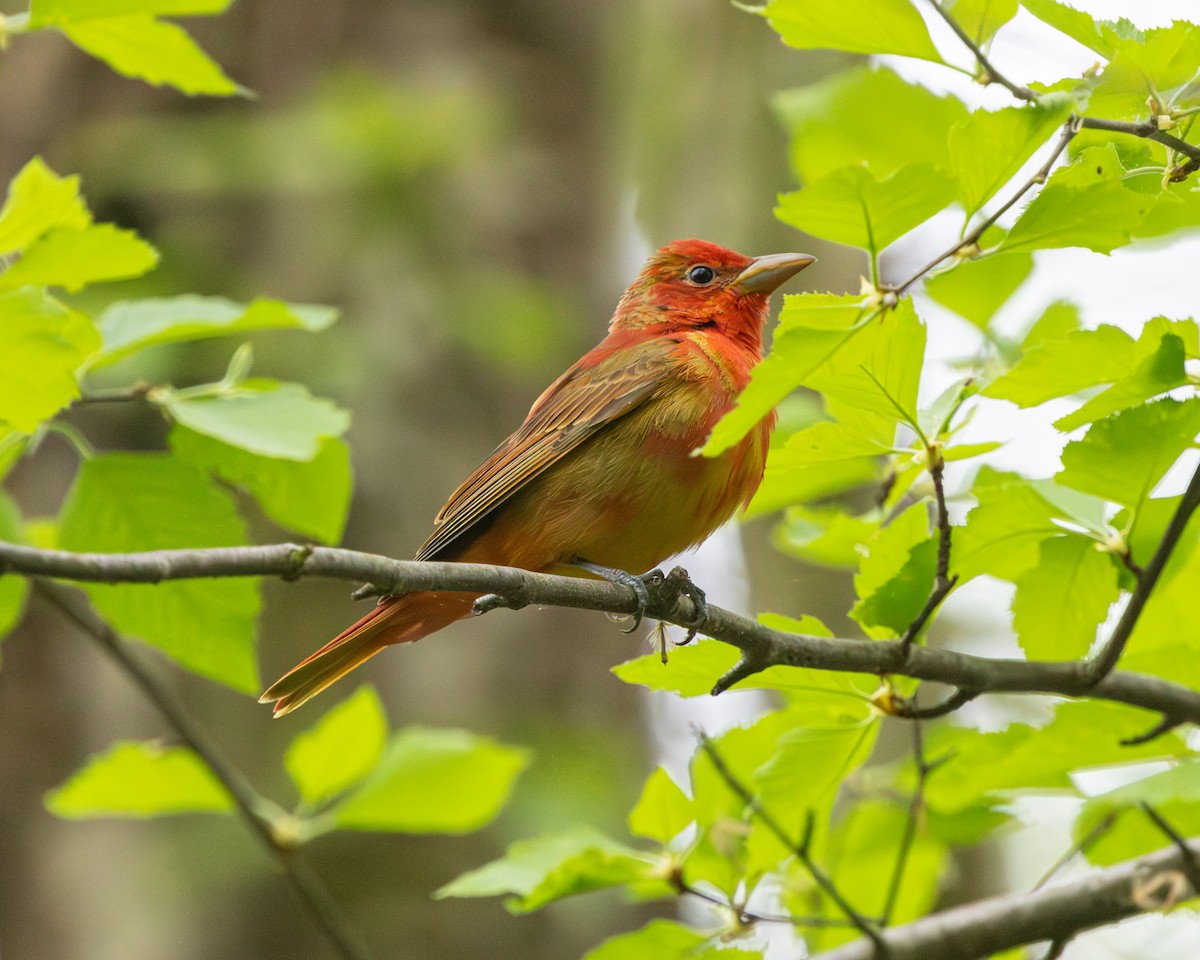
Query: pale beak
x: 767, y: 273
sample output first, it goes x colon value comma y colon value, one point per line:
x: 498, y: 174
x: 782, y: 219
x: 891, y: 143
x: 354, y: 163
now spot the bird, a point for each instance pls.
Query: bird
x: 603, y: 476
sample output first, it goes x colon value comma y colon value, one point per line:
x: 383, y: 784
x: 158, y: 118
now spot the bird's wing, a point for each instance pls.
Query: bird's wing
x: 580, y: 402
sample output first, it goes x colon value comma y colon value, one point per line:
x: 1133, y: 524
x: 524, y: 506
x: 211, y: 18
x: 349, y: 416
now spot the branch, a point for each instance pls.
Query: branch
x: 261, y: 815
x: 761, y: 646
x: 1055, y: 914
x: 990, y: 73
x: 1108, y: 655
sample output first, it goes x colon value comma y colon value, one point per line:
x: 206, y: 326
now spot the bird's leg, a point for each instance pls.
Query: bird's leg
x: 681, y: 584
x: 639, y: 584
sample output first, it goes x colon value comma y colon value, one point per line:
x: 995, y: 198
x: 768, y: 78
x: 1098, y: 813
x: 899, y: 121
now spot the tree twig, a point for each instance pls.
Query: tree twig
x: 799, y: 848
x: 986, y: 927
x: 943, y: 583
x: 990, y: 73
x: 1108, y: 655
x: 261, y: 815
x: 761, y: 646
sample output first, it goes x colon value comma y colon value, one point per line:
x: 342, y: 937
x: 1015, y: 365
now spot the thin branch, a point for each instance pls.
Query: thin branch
x: 1066, y: 135
x: 800, y: 848
x: 1108, y: 655
x: 746, y: 916
x: 1085, y: 844
x: 908, y: 838
x: 986, y: 927
x: 135, y: 391
x: 943, y: 583
x: 990, y: 73
x: 260, y: 814
x: 909, y: 709
x: 761, y: 646
x: 1165, y: 725
x: 1148, y: 129
x: 1189, y: 863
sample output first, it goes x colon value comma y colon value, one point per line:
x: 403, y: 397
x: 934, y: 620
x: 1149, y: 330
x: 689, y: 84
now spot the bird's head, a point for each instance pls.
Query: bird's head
x: 694, y: 283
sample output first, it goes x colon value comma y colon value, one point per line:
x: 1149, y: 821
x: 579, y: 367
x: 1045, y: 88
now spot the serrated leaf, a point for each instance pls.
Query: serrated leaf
x: 662, y: 811
x: 543, y: 869
x: 42, y: 345
x: 1122, y: 457
x: 434, y: 781
x: 850, y: 206
x: 666, y: 940
x: 856, y: 26
x: 888, y: 559
x: 13, y: 588
x: 73, y: 258
x: 131, y: 325
x: 1064, y: 213
x: 1059, y: 368
x: 140, y: 780
x: 263, y: 417
x: 1163, y: 370
x: 989, y: 147
x: 137, y: 45
x: 812, y: 328
x: 1058, y: 320
x: 1062, y: 600
x: 311, y: 498
x: 690, y: 671
x: 821, y: 141
x: 340, y: 750
x: 37, y: 200
x: 1174, y: 794
x: 1099, y: 36
x: 123, y: 502
x: 976, y: 289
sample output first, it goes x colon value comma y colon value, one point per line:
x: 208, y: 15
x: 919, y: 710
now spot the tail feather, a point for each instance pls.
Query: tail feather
x: 395, y: 620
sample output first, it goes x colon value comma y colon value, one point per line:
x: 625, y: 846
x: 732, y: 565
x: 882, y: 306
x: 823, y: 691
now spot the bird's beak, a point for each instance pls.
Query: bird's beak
x: 767, y: 273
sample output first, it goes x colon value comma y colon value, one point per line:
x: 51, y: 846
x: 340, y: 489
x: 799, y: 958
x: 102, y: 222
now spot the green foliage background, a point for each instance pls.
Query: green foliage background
x: 430, y: 202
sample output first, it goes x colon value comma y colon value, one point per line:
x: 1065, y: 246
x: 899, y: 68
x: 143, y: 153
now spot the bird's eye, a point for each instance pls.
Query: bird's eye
x: 701, y: 275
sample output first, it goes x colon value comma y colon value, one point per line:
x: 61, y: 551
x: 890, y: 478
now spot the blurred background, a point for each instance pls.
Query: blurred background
x: 473, y: 184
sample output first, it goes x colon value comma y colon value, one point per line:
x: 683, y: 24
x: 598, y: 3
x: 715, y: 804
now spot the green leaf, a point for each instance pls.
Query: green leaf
x: 124, y: 502
x: 43, y: 13
x: 1174, y: 794
x: 666, y: 940
x: 1061, y: 367
x: 982, y: 769
x: 690, y: 671
x: 261, y: 416
x: 39, y: 199
x: 311, y: 498
x: 1056, y: 322
x: 822, y: 141
x: 989, y: 147
x: 1004, y: 530
x: 543, y: 869
x: 434, y: 781
x: 1163, y: 370
x: 73, y: 258
x: 139, y: 46
x: 856, y: 26
x: 662, y: 811
x: 828, y: 536
x: 896, y: 574
x: 340, y: 750
x: 976, y: 289
x: 42, y: 344
x: 812, y: 328
x: 1098, y: 35
x: 1064, y: 213
x: 140, y: 780
x: 1062, y: 600
x: 788, y: 481
x: 1123, y: 457
x: 13, y: 588
x: 982, y: 18
x: 132, y: 325
x: 850, y: 206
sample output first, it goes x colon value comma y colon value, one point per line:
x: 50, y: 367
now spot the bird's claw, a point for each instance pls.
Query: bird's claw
x: 681, y: 584
x: 640, y: 585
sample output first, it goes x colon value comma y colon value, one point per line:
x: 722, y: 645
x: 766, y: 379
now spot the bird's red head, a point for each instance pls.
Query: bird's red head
x: 694, y: 283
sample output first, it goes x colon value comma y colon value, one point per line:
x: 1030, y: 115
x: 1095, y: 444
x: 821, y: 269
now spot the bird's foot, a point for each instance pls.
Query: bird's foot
x: 639, y: 584
x: 680, y: 585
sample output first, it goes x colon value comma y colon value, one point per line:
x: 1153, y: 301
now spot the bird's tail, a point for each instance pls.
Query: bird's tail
x: 394, y: 620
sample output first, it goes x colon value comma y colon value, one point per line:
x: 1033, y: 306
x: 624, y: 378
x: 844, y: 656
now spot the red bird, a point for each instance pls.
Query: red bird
x: 601, y: 474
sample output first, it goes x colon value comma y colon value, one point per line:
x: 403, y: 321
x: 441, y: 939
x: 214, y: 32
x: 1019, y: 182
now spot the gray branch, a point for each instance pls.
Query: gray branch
x: 761, y: 646
x: 1055, y: 914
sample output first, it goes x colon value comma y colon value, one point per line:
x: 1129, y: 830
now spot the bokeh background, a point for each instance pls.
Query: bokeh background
x: 472, y: 183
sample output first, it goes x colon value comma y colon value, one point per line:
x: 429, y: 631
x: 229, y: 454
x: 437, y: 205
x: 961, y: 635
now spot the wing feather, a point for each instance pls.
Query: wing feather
x: 583, y: 400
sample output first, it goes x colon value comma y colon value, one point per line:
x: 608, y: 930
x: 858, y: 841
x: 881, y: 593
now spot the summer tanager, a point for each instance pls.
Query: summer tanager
x: 603, y: 471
